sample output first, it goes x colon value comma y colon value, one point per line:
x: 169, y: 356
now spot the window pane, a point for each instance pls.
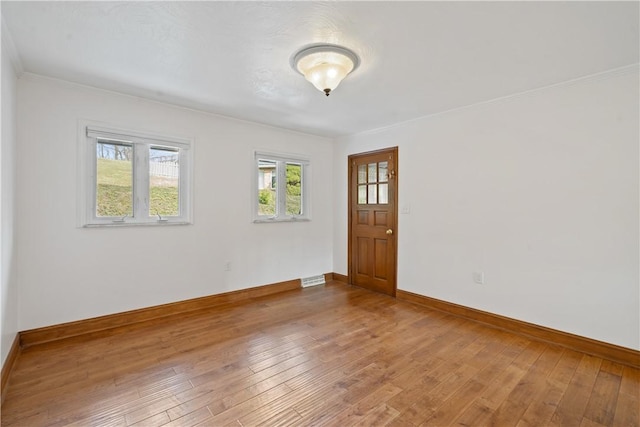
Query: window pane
x: 164, y: 182
x: 362, y: 194
x: 382, y: 172
x: 383, y: 197
x: 373, y: 196
x: 294, y: 189
x: 267, y: 181
x: 362, y: 174
x: 372, y: 172
x: 114, y: 180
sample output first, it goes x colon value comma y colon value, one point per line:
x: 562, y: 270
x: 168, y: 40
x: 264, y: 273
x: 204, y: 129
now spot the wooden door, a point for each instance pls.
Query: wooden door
x: 373, y: 220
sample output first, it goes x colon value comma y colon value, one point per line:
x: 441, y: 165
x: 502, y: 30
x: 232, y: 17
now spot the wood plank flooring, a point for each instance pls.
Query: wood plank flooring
x: 331, y: 355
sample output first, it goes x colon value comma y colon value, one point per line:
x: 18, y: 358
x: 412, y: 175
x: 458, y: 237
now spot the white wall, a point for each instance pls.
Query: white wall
x: 69, y: 273
x: 9, y: 293
x: 539, y: 191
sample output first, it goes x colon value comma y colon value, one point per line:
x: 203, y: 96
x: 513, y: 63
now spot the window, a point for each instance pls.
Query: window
x: 282, y: 191
x: 373, y: 184
x: 129, y: 178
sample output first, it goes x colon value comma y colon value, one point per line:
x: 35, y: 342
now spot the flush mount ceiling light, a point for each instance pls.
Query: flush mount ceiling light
x: 325, y: 65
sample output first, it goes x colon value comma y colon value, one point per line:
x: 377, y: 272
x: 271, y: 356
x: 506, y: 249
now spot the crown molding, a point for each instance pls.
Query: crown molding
x: 603, y: 75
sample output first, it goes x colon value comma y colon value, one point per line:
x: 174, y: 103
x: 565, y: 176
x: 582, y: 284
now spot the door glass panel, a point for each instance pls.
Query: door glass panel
x: 114, y: 180
x: 382, y: 171
x: 383, y: 198
x: 164, y: 180
x: 373, y: 194
x: 372, y: 172
x: 362, y: 174
x: 362, y: 194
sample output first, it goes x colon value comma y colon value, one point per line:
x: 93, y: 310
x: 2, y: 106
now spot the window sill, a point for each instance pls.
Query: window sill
x: 136, y: 224
x: 286, y: 219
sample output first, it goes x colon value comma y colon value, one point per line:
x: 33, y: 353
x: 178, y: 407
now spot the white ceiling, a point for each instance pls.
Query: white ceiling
x: 232, y: 58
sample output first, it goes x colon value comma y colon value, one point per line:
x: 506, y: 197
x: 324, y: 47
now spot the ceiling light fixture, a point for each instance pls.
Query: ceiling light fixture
x: 325, y: 65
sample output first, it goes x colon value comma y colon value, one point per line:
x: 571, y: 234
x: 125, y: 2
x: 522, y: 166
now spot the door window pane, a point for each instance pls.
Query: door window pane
x: 373, y: 196
x: 382, y: 172
x: 294, y: 189
x: 362, y: 174
x: 114, y: 180
x: 164, y: 182
x: 267, y: 182
x: 362, y: 194
x: 383, y: 198
x: 372, y: 172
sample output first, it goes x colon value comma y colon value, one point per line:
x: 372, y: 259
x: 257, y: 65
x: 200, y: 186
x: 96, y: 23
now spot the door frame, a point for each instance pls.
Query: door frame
x: 351, y: 194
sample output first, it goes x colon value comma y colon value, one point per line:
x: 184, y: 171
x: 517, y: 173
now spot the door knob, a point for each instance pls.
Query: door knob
x: 389, y: 232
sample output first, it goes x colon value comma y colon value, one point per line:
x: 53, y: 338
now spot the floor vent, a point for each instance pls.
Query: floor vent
x: 313, y: 281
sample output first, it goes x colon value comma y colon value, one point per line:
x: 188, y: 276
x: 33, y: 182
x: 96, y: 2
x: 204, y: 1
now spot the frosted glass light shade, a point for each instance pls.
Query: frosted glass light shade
x: 325, y: 66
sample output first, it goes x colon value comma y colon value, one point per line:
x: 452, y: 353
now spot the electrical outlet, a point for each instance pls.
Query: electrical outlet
x: 478, y: 277
x: 227, y: 266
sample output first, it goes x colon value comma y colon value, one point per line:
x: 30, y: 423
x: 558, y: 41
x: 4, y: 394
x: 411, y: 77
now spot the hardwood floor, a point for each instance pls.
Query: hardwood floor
x: 329, y: 355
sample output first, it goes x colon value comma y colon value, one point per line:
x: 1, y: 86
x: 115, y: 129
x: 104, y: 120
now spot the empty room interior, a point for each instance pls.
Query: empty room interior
x: 320, y: 213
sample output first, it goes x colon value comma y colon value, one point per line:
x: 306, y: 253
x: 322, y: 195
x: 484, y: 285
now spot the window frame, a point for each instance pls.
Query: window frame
x: 281, y: 161
x: 90, y: 135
